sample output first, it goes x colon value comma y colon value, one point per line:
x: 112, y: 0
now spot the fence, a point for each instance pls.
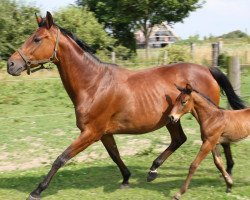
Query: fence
x: 201, y: 53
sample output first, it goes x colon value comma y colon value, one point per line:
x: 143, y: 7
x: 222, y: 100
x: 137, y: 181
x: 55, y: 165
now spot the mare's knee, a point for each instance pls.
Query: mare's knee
x: 60, y: 161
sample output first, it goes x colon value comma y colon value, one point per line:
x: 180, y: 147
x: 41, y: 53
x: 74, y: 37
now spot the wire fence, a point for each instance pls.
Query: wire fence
x: 200, y: 53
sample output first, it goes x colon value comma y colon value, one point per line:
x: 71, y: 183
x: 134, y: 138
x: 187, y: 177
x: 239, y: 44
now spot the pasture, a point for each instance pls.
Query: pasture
x: 37, y: 123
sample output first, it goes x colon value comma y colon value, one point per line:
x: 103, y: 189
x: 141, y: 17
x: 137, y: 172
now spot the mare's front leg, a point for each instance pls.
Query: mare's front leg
x: 110, y: 145
x: 219, y: 164
x: 178, y: 137
x: 206, y: 147
x: 85, y: 139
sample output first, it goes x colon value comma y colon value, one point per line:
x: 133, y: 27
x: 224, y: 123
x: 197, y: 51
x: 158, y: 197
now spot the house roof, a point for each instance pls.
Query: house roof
x: 160, y: 30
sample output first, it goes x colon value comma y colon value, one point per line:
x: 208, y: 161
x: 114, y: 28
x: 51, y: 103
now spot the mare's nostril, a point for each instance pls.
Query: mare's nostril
x: 10, y: 64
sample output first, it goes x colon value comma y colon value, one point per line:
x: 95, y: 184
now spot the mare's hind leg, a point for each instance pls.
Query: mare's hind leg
x: 110, y: 145
x: 219, y: 164
x: 229, y: 158
x: 178, y: 137
x: 85, y: 139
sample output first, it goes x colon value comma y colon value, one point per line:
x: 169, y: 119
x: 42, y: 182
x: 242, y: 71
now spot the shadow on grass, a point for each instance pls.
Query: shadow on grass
x: 108, y: 177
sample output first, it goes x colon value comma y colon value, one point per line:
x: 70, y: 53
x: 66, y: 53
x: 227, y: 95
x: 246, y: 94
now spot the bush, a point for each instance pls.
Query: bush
x: 176, y: 53
x: 223, y: 60
x: 123, y: 53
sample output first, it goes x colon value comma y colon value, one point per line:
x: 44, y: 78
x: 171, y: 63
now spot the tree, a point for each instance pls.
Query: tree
x: 234, y: 34
x: 84, y: 25
x: 17, y: 22
x: 125, y: 16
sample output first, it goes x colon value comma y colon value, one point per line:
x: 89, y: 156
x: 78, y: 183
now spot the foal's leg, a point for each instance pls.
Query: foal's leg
x: 229, y: 158
x: 178, y: 137
x: 219, y: 164
x: 110, y: 144
x: 85, y: 139
x: 205, y: 149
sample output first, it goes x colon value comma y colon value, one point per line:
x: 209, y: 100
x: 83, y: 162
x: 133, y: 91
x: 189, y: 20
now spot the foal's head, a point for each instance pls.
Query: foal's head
x: 38, y: 49
x: 183, y: 103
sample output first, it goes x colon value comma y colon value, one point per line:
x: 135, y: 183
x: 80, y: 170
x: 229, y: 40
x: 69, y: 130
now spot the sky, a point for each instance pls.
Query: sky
x: 216, y: 17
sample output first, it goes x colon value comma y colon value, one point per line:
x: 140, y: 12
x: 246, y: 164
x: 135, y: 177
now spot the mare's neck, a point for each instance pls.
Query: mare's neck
x: 80, y: 73
x: 204, y: 109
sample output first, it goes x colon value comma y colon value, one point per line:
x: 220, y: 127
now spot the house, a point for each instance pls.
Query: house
x: 161, y: 36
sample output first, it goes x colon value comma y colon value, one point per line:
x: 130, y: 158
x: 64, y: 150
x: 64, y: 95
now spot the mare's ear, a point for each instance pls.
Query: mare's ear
x: 38, y: 19
x: 188, y: 89
x: 49, y: 20
x: 179, y: 88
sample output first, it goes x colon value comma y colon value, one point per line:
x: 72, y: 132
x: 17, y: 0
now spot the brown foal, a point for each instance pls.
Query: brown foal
x: 216, y: 126
x: 109, y: 99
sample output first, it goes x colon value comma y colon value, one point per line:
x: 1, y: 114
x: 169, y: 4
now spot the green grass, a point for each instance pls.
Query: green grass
x: 37, y: 123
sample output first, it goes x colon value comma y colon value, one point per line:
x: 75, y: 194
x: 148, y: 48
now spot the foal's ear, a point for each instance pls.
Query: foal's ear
x: 179, y: 88
x: 38, y: 19
x: 49, y: 20
x: 188, y: 89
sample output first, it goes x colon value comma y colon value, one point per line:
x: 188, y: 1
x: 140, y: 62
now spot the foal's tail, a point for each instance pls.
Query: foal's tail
x: 234, y: 100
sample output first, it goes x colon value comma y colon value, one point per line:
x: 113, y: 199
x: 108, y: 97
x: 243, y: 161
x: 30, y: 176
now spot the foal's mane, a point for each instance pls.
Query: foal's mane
x: 206, y: 98
x: 83, y: 45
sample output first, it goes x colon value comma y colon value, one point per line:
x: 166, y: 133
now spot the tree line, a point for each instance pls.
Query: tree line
x: 104, y: 25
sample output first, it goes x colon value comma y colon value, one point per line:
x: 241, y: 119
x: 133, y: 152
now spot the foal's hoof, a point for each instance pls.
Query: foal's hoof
x: 177, y: 196
x: 152, y: 175
x: 33, y: 198
x: 229, y: 190
x: 124, y: 186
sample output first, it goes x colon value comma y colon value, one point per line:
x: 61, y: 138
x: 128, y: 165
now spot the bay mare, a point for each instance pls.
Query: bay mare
x: 216, y: 126
x: 112, y: 100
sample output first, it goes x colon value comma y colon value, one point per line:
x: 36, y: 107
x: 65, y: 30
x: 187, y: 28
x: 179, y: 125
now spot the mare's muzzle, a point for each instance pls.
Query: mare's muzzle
x: 15, y: 68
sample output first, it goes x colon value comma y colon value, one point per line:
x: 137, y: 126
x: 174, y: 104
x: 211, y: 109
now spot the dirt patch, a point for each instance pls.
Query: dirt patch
x: 10, y: 166
x: 29, y: 159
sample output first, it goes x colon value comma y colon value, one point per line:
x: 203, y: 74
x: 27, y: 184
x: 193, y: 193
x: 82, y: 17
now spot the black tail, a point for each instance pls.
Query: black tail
x: 234, y: 100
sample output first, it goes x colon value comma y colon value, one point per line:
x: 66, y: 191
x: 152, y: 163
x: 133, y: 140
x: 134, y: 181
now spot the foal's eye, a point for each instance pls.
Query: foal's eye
x: 184, y: 102
x: 37, y: 39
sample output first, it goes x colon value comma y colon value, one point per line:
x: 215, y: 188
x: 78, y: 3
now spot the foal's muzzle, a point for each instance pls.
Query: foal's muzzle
x: 15, y: 68
x: 173, y: 119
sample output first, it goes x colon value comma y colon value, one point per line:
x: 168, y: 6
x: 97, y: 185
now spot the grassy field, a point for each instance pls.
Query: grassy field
x: 37, y: 123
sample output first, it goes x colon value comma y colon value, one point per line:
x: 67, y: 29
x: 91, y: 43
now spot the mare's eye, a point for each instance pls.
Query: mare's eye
x: 37, y: 39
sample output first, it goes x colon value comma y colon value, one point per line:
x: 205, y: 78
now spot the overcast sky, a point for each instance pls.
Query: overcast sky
x: 216, y: 17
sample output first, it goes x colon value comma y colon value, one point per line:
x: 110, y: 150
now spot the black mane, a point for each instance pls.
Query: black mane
x: 84, y: 46
x: 207, y: 98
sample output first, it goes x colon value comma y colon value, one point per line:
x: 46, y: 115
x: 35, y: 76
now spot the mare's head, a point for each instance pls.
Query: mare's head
x: 183, y: 103
x: 39, y: 48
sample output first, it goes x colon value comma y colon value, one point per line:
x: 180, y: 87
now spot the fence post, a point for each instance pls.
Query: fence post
x: 215, y: 54
x: 234, y: 73
x: 220, y: 45
x: 165, y: 58
x: 113, y: 57
x: 192, y: 50
x: 246, y: 58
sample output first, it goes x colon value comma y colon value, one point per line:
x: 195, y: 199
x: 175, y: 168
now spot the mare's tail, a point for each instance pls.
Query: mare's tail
x: 234, y: 100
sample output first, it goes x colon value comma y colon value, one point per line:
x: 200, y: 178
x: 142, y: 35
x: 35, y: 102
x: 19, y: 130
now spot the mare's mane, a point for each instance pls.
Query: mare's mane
x: 83, y: 45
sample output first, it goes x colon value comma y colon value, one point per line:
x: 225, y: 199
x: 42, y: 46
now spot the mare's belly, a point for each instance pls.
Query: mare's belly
x: 138, y: 122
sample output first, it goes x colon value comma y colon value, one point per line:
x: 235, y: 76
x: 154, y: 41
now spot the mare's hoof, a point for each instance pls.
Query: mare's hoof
x: 33, y: 197
x: 124, y: 186
x: 152, y: 175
